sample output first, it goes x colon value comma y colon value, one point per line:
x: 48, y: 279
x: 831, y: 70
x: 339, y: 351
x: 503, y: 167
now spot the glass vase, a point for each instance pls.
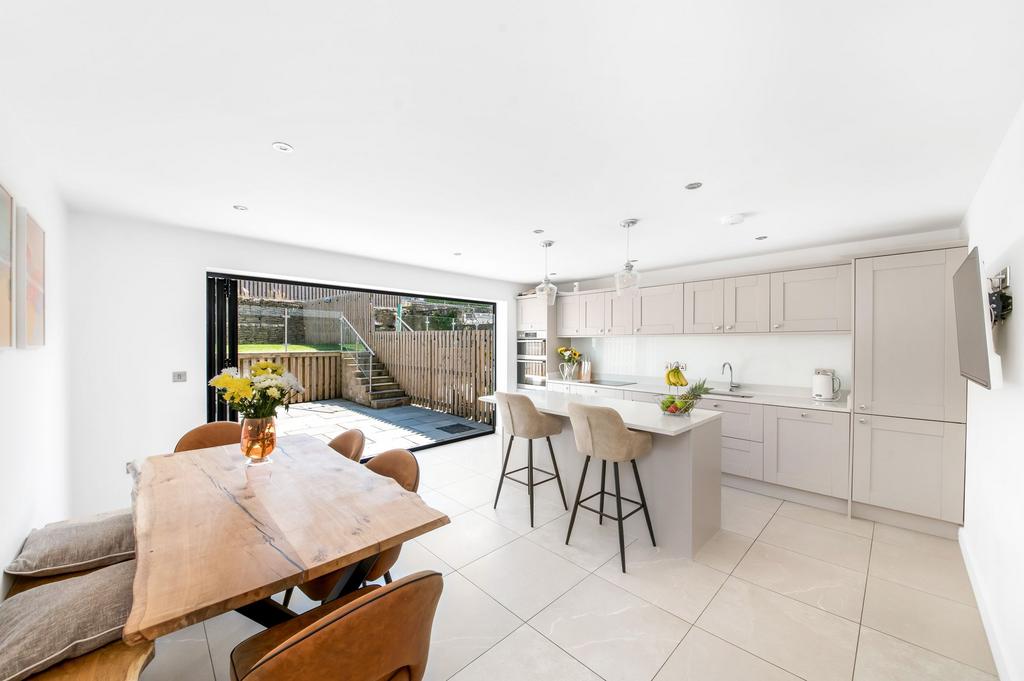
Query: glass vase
x: 259, y: 437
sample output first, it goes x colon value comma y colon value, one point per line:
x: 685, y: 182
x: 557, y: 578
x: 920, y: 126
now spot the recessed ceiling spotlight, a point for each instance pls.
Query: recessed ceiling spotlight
x: 283, y: 147
x: 239, y: 206
x: 695, y: 185
x: 760, y: 238
x: 538, y: 231
x: 734, y: 219
x: 552, y: 274
x: 457, y: 253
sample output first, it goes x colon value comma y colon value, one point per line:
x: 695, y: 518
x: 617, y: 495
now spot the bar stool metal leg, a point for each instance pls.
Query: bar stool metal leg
x: 529, y: 475
x: 643, y: 500
x: 604, y: 468
x: 576, y: 504
x: 504, y: 468
x: 618, y: 508
x: 558, y: 478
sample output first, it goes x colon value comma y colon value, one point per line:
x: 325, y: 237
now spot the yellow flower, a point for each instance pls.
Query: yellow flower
x: 266, y: 367
x: 238, y: 389
x: 222, y: 380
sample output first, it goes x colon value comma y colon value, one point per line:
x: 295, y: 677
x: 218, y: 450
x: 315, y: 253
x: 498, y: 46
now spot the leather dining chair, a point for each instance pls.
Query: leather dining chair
x: 207, y: 435
x: 401, y: 466
x: 374, y: 634
x: 349, y: 444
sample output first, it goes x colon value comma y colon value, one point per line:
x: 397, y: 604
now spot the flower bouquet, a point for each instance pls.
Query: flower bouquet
x: 570, y: 360
x: 256, y: 397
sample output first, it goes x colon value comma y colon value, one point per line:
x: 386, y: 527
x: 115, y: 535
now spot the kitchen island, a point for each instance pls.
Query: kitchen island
x: 681, y: 475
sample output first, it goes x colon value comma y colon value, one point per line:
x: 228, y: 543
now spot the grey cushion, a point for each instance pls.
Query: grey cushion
x: 76, y: 545
x: 57, y: 621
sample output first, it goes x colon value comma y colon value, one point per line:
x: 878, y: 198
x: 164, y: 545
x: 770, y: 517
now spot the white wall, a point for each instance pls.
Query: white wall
x: 994, y: 516
x: 766, y: 359
x: 34, y: 443
x: 138, y: 310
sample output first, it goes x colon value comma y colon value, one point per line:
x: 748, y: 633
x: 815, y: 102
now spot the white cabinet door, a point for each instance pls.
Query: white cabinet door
x: 567, y: 313
x: 637, y: 396
x: 559, y: 387
x: 818, y: 299
x: 596, y: 391
x: 905, y: 353
x: 742, y: 457
x: 703, y: 307
x: 910, y: 465
x: 531, y: 314
x: 747, y: 304
x: 592, y: 314
x: 618, y: 313
x: 659, y: 310
x: 807, y: 449
x: 739, y: 419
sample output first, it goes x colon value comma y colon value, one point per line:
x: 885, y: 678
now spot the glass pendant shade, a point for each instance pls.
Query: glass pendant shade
x: 627, y: 280
x: 547, y: 291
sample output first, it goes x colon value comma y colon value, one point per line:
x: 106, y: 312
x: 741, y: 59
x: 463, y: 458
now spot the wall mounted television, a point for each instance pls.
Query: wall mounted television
x: 974, y: 324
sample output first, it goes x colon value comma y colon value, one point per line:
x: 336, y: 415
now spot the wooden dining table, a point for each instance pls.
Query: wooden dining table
x: 214, y: 535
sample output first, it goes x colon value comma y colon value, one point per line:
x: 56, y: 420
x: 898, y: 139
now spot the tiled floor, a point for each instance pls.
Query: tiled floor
x: 784, y: 592
x: 392, y: 428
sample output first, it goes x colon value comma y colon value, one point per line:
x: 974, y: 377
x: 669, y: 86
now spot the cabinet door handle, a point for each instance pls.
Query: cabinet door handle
x: 862, y: 420
x: 728, y: 328
x: 718, y: 328
x: 863, y: 407
x: 714, y: 404
x: 803, y: 414
x: 636, y: 330
x: 776, y: 326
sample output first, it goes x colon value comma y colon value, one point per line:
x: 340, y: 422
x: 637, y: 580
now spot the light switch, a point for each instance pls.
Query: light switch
x: 179, y: 376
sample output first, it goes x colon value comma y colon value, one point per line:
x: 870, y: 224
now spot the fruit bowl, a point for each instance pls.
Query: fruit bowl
x: 676, y: 405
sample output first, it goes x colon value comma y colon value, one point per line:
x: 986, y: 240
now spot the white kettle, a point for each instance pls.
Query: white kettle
x: 825, y: 385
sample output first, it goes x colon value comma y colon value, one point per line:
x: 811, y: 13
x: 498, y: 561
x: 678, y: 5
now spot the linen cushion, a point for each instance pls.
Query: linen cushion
x: 76, y: 545
x: 57, y: 621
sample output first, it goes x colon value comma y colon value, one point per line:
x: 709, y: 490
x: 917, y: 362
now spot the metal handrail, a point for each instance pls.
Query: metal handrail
x: 406, y: 324
x: 345, y: 322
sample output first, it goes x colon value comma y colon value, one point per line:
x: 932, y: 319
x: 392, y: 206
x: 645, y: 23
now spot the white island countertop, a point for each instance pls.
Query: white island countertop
x: 642, y: 416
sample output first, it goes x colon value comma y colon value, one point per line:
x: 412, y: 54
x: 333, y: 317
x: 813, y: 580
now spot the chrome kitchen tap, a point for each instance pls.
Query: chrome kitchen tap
x: 732, y: 385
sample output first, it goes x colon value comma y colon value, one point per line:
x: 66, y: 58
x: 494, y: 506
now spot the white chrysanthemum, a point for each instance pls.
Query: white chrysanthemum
x: 291, y: 382
x: 230, y: 371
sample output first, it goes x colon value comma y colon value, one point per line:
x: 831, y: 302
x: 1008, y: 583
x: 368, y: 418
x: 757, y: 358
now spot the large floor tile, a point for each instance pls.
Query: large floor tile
x: 513, y: 509
x: 523, y: 576
x: 435, y: 474
x: 744, y: 520
x: 724, y: 551
x: 818, y: 542
x: 942, y: 626
x: 740, y: 497
x: 802, y: 639
x: 525, y: 655
x: 443, y: 503
x: 414, y: 558
x: 184, y: 654
x: 824, y: 585
x: 703, y: 657
x: 616, y: 634
x: 472, y: 491
x: 917, y: 540
x: 939, y: 573
x: 469, y: 536
x: 829, y: 519
x: 591, y: 544
x: 666, y: 578
x: 468, y: 623
x: 883, y: 658
x: 224, y: 632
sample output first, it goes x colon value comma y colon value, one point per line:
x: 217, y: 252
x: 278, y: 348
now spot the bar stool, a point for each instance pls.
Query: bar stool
x: 523, y: 420
x: 600, y: 432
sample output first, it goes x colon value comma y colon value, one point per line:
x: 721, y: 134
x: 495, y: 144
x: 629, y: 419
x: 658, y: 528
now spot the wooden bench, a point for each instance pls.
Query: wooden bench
x: 116, y: 661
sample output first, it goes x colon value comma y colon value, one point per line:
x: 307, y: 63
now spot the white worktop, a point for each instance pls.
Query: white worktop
x: 642, y: 416
x: 776, y: 396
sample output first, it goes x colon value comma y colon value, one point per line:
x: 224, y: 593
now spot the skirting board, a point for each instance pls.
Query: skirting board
x: 981, y: 599
x: 907, y: 521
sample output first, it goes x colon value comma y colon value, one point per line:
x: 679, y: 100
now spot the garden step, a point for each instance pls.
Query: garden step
x: 390, y: 402
x: 384, y: 394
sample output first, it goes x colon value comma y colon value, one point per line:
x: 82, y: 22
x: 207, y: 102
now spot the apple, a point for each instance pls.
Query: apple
x: 673, y: 409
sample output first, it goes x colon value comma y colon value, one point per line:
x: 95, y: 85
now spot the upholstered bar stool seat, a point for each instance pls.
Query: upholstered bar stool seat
x: 600, y: 433
x: 521, y: 419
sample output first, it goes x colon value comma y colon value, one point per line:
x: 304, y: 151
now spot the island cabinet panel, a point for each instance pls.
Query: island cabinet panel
x: 743, y: 457
x: 659, y: 310
x: 910, y: 465
x: 703, y: 306
x: 592, y: 321
x: 807, y: 449
x: 567, y: 314
x: 618, y: 312
x: 817, y: 299
x: 747, y: 304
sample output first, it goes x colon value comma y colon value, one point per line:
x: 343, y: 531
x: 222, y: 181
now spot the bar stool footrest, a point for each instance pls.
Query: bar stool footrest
x: 639, y: 506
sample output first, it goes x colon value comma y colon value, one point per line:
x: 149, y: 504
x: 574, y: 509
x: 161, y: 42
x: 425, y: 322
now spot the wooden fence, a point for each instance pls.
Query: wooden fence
x: 271, y: 290
x: 318, y: 372
x: 442, y: 370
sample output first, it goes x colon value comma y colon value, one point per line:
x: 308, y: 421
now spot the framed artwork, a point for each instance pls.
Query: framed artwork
x: 30, y: 302
x: 6, y: 269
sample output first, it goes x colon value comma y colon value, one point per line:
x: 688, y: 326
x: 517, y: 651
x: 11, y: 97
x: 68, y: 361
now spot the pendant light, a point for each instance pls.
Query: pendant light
x: 627, y: 280
x: 546, y: 290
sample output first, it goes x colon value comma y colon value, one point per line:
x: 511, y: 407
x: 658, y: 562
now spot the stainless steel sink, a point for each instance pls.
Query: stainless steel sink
x: 726, y: 393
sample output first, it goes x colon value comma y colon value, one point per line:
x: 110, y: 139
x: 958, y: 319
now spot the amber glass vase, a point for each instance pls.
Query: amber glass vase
x: 259, y: 437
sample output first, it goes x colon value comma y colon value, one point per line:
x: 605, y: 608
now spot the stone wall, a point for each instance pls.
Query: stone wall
x: 262, y: 322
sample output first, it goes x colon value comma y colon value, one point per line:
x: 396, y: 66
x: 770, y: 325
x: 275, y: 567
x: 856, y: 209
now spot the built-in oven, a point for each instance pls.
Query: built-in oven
x: 531, y: 358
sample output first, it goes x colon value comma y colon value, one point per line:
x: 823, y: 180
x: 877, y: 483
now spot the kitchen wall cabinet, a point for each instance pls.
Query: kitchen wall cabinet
x: 531, y: 314
x: 592, y: 321
x: 807, y: 449
x: 567, y: 315
x: 818, y: 299
x: 743, y: 457
x: 747, y: 304
x: 905, y: 353
x: 618, y: 313
x: 910, y: 465
x: 704, y: 306
x: 659, y: 310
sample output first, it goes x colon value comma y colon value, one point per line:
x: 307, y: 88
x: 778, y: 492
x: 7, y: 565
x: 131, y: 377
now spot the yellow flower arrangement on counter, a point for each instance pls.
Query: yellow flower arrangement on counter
x: 570, y: 355
x: 258, y: 395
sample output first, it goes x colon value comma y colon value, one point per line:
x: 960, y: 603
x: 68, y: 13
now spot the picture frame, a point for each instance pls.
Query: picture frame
x: 7, y: 269
x: 30, y: 269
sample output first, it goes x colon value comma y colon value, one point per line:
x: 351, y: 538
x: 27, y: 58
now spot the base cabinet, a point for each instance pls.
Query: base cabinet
x: 807, y: 449
x: 910, y: 465
x: 743, y: 457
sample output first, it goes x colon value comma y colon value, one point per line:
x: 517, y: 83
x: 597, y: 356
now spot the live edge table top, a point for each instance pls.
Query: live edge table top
x: 213, y: 535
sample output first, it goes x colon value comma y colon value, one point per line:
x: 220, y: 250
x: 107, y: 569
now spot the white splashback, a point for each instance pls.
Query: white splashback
x: 782, y: 360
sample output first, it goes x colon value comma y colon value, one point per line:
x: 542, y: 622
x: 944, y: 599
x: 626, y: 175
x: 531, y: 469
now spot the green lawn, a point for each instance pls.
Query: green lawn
x: 273, y: 349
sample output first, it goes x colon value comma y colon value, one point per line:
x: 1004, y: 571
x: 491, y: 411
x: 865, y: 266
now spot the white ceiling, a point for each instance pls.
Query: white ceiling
x: 423, y: 128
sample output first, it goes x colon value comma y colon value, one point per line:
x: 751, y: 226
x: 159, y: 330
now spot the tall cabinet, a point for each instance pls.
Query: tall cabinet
x: 910, y: 403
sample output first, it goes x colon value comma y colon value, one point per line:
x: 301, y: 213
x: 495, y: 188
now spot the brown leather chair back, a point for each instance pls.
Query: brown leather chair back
x: 350, y: 444
x: 381, y: 636
x: 401, y: 466
x: 207, y: 435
